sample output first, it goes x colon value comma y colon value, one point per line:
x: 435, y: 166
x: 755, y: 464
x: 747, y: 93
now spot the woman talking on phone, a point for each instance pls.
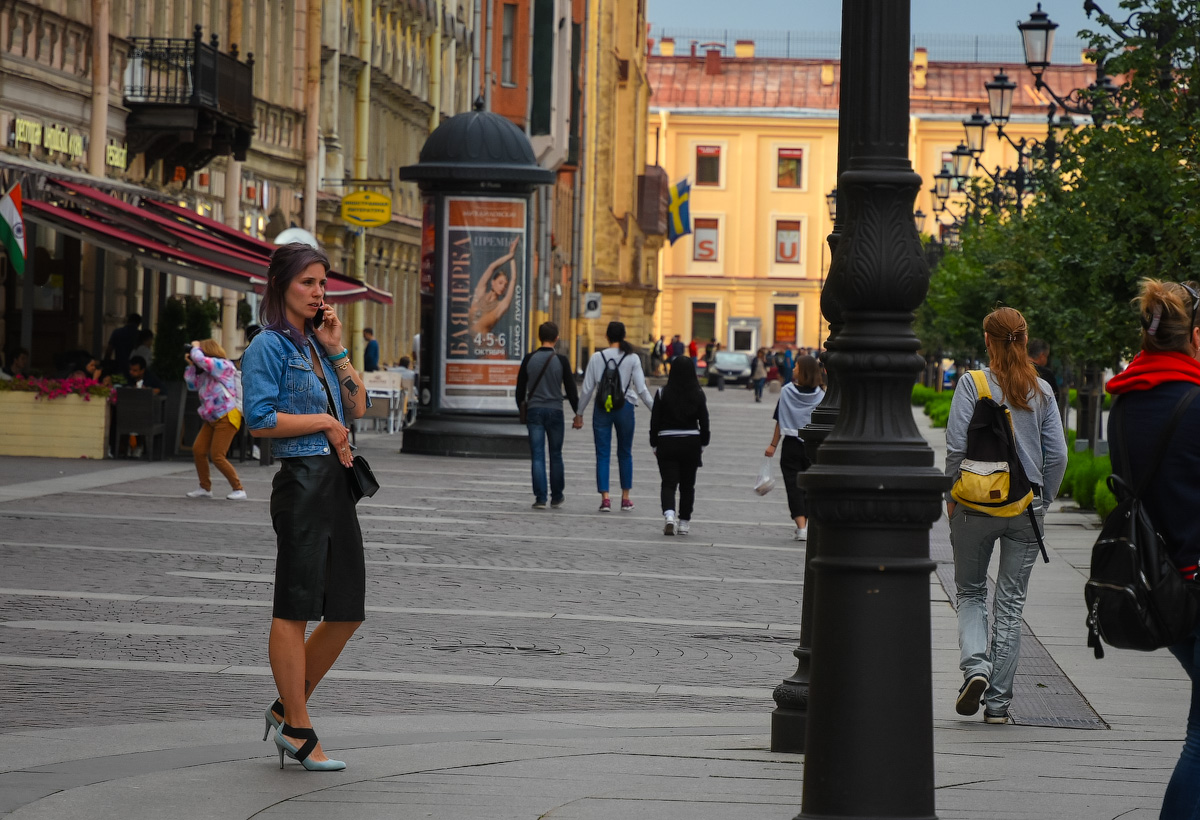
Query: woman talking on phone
x: 300, y: 391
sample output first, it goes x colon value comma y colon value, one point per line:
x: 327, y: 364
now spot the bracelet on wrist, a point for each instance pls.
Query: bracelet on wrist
x: 339, y: 356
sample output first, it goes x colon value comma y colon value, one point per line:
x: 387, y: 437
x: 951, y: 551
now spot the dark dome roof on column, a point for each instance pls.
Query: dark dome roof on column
x: 478, y: 146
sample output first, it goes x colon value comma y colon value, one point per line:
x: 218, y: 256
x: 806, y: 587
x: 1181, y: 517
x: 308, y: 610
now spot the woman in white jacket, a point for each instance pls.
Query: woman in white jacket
x: 632, y: 384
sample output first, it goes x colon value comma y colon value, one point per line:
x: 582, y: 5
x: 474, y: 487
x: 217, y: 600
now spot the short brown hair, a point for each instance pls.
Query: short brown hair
x: 548, y: 332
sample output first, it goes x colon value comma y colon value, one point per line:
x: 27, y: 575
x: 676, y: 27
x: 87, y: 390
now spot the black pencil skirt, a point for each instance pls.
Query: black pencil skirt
x: 320, y: 571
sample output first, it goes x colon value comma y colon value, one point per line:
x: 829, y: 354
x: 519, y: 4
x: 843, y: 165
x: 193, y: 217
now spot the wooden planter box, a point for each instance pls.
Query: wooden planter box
x: 66, y: 427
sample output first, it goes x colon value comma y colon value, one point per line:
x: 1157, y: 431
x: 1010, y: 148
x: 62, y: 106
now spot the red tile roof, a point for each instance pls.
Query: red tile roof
x: 772, y: 82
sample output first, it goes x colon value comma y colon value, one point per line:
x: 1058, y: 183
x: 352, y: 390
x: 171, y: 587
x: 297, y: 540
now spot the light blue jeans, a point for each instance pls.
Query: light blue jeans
x: 973, y: 536
x: 603, y: 423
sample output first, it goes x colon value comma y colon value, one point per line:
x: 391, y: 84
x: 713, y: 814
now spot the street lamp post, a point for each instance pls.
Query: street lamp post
x: 874, y: 491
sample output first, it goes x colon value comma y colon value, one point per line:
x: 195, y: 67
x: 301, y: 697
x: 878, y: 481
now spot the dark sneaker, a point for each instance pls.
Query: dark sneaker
x: 626, y: 505
x: 605, y: 505
x: 971, y: 694
x: 994, y: 719
x: 539, y: 505
x: 557, y: 502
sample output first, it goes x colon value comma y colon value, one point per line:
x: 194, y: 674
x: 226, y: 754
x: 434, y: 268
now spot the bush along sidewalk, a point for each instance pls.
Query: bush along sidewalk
x: 936, y: 403
x: 1086, y: 479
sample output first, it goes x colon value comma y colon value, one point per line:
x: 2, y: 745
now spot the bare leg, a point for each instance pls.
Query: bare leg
x: 801, y: 521
x: 289, y: 656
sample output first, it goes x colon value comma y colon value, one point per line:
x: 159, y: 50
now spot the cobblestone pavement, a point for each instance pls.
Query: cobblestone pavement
x: 514, y: 662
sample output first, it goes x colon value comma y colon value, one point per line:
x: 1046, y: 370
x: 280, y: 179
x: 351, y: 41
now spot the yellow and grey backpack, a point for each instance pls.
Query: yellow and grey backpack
x: 991, y: 479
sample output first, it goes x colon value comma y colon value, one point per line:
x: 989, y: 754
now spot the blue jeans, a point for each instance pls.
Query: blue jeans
x: 758, y: 388
x: 973, y: 536
x: 545, y: 425
x: 603, y: 423
x: 1182, y: 800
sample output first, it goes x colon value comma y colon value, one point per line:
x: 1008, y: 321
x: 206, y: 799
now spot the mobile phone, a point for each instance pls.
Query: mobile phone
x: 319, y: 318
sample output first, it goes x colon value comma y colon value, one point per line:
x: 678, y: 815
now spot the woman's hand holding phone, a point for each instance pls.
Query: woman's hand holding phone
x: 328, y: 329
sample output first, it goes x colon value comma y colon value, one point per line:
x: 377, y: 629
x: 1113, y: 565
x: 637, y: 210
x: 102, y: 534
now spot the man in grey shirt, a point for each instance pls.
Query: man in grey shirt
x: 545, y: 379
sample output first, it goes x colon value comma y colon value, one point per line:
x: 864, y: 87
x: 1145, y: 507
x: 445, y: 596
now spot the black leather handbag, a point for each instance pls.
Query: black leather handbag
x: 362, y: 481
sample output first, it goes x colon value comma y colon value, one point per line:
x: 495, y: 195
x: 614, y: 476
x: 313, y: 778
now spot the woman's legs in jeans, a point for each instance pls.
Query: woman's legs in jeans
x: 200, y: 448
x: 623, y: 420
x: 1182, y: 800
x: 223, y: 433
x: 602, y: 424
x: 758, y: 388
x: 974, y: 536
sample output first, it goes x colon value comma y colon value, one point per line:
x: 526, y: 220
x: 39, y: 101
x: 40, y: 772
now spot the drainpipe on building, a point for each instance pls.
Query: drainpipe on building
x: 98, y: 139
x: 362, y: 122
x: 476, y: 65
x: 487, y: 57
x: 576, y: 255
x: 591, y: 89
x: 435, y: 64
x: 233, y: 203
x: 312, y: 115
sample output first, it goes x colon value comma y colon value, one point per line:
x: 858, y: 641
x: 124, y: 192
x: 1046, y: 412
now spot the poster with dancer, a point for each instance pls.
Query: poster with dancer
x: 484, y: 303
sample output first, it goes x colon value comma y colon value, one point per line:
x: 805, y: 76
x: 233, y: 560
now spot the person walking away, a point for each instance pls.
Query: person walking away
x: 1146, y: 393
x: 693, y: 351
x: 300, y: 391
x: 615, y: 376
x: 758, y: 373
x: 1042, y: 449
x: 210, y: 372
x: 552, y: 380
x: 658, y: 357
x: 678, y: 434
x: 793, y: 413
x: 371, y: 352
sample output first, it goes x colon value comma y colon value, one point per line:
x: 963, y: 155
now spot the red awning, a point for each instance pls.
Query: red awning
x: 151, y: 253
x: 341, y: 289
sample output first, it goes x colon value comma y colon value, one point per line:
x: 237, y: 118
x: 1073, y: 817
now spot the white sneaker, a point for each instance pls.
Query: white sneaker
x: 669, y: 527
x: 236, y: 495
x: 683, y: 527
x: 200, y: 492
x: 801, y: 533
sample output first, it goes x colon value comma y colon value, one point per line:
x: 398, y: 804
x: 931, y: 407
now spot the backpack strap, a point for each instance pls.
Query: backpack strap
x: 982, y: 390
x: 1164, y: 439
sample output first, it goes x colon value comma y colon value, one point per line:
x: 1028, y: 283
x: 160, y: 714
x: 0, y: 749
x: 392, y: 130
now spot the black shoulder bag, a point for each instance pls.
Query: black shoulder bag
x: 1136, y: 597
x: 523, y: 407
x: 362, y: 478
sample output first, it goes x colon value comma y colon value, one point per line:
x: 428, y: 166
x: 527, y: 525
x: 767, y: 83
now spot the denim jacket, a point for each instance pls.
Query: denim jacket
x: 278, y: 378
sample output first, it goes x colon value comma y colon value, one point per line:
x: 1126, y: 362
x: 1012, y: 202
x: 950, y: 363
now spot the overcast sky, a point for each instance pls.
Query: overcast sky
x: 928, y: 16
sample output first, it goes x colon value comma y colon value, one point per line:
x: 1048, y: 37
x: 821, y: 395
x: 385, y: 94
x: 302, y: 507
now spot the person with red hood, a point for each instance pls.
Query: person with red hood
x: 1147, y: 391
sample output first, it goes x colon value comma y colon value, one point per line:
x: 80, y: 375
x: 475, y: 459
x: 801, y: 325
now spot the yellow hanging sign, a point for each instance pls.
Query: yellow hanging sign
x: 367, y: 209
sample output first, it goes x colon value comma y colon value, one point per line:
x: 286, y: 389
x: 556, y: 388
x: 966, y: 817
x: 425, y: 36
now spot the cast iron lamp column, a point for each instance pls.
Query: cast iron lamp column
x: 874, y: 491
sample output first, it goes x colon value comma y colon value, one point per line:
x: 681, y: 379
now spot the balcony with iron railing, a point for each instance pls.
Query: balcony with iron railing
x: 189, y: 101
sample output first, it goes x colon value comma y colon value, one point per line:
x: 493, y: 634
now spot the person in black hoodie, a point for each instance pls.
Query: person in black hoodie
x: 1146, y: 393
x: 678, y: 434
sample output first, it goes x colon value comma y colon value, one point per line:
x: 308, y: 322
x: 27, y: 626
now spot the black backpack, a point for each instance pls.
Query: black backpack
x: 1136, y: 598
x: 610, y: 395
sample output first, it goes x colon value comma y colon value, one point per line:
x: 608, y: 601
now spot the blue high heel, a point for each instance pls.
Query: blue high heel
x: 272, y: 721
x: 301, y: 754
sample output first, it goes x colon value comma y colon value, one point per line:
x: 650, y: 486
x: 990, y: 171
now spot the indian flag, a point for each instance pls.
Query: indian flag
x: 12, y: 229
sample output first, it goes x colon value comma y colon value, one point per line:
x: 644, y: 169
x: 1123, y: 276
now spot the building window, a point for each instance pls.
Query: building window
x: 787, y: 242
x: 507, y: 76
x: 704, y: 321
x: 706, y: 245
x: 785, y: 324
x: 790, y: 168
x: 708, y: 165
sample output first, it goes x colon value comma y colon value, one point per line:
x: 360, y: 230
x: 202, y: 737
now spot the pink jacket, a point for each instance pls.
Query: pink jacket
x: 215, y: 379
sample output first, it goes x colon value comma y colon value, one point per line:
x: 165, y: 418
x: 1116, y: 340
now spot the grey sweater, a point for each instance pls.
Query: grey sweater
x: 1041, y: 445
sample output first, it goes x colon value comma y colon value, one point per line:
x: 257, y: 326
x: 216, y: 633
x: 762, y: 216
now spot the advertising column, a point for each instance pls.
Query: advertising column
x: 484, y: 303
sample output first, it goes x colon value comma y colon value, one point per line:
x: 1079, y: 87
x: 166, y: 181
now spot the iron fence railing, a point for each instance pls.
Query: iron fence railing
x: 826, y: 45
x: 182, y: 71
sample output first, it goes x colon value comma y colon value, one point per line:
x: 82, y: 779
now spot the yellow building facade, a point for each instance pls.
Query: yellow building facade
x: 757, y: 140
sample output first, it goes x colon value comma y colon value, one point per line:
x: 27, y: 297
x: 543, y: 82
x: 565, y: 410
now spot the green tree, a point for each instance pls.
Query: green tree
x: 1114, y: 203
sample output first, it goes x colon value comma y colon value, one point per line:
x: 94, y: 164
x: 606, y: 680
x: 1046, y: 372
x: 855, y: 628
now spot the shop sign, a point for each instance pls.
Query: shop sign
x: 115, y: 155
x: 55, y: 138
x: 367, y: 209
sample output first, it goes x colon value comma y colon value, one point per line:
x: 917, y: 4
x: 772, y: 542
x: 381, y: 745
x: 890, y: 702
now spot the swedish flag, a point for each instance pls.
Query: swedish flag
x: 679, y: 220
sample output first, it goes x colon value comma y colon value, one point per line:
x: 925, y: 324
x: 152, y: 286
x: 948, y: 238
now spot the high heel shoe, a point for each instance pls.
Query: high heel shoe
x: 301, y: 754
x: 272, y: 721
